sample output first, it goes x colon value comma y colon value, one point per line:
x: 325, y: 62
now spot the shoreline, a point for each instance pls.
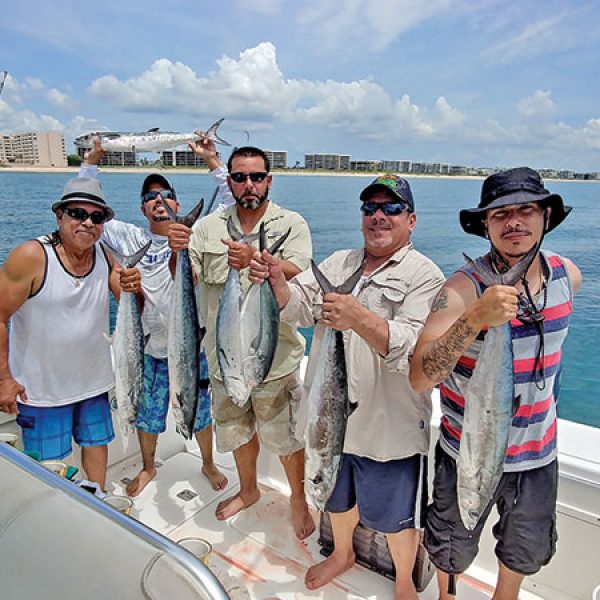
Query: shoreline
x: 277, y: 172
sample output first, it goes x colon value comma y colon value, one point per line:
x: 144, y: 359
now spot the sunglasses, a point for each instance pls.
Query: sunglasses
x: 256, y: 177
x: 389, y: 208
x: 164, y: 194
x: 80, y: 214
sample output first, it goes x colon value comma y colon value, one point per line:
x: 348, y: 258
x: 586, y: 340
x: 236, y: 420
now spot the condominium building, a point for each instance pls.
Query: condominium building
x: 327, y: 162
x: 396, y: 166
x: 40, y: 149
x: 181, y: 158
x: 365, y: 165
x: 114, y: 159
x: 277, y: 158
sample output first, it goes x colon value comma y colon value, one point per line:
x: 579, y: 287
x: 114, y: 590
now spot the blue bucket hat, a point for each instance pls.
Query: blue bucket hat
x: 515, y: 186
x: 394, y: 185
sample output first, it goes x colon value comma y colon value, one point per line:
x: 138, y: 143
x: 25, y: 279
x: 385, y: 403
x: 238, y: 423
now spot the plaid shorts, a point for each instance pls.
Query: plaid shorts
x: 272, y: 411
x: 152, y: 412
x: 48, y: 430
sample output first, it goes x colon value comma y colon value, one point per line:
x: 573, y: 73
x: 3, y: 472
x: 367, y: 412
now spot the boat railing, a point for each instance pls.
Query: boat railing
x: 40, y: 511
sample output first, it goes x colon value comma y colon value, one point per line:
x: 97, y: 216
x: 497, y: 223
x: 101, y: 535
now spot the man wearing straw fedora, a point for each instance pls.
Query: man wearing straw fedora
x: 515, y: 212
x: 55, y: 366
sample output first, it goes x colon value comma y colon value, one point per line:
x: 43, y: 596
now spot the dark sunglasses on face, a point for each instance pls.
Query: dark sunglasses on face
x: 164, y: 194
x: 256, y: 177
x: 389, y: 208
x: 80, y: 214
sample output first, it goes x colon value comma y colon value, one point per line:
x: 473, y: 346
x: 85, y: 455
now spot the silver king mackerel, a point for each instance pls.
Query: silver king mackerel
x: 128, y: 348
x: 184, y: 336
x: 328, y: 405
x: 152, y: 140
x: 489, y: 405
x: 260, y: 323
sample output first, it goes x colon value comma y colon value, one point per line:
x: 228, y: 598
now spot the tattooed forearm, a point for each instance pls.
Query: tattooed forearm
x: 441, y: 301
x: 440, y: 358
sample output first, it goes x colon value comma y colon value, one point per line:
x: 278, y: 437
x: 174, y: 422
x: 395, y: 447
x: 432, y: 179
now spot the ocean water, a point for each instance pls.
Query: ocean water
x: 330, y: 206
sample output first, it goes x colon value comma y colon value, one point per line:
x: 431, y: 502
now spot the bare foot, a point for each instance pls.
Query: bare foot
x: 143, y: 478
x: 302, y: 520
x: 232, y: 505
x: 322, y: 573
x: 217, y: 479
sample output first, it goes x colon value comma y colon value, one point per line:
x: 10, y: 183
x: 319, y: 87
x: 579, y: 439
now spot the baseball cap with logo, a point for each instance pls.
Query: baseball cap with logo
x: 394, y: 185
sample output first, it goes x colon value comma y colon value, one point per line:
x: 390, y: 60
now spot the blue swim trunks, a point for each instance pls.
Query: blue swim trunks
x: 152, y: 412
x: 391, y: 495
x: 48, y: 431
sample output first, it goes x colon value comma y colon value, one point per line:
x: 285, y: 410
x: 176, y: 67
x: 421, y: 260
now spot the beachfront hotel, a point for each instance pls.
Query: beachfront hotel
x: 35, y: 148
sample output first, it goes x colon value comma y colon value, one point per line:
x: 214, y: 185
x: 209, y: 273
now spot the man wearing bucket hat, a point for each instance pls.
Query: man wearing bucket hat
x: 383, y: 467
x: 55, y: 366
x: 157, y: 284
x: 514, y: 213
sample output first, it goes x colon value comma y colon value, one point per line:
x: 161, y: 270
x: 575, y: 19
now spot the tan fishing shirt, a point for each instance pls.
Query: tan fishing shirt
x: 209, y: 260
x: 391, y: 420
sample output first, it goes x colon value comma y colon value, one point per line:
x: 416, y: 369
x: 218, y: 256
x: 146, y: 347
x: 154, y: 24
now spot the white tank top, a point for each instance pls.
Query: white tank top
x: 57, y: 348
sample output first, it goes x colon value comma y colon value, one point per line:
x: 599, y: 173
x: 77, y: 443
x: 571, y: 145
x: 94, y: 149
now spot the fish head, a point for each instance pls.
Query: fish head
x: 470, y: 507
x: 320, y: 479
x: 86, y: 141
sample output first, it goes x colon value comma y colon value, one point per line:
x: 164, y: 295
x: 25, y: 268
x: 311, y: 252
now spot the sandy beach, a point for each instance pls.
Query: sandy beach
x: 278, y: 172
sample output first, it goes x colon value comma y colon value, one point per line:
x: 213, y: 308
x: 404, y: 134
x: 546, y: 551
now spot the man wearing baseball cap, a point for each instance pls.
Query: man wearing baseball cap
x: 514, y: 213
x: 55, y: 366
x: 382, y: 477
x: 157, y: 284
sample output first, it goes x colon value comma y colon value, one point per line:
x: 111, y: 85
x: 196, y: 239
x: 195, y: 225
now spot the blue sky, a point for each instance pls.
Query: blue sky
x: 470, y: 82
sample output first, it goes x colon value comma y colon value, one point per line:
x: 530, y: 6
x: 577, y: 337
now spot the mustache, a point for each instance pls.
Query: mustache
x: 516, y: 230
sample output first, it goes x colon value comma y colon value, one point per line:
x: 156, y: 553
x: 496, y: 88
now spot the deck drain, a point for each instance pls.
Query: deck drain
x: 187, y: 495
x: 126, y: 481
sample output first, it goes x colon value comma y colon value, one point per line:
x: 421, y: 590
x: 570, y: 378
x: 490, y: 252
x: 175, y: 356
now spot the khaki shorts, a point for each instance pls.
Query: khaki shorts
x: 271, y: 412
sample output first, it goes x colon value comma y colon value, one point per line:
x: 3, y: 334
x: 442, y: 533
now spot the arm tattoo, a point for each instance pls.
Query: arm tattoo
x: 441, y: 301
x: 439, y: 361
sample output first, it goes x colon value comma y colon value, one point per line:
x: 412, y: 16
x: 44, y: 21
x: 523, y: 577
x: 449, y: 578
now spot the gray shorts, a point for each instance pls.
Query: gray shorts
x: 271, y: 412
x: 525, y: 532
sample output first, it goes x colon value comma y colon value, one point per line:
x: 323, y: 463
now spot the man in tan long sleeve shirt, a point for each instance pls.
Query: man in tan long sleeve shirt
x: 381, y: 476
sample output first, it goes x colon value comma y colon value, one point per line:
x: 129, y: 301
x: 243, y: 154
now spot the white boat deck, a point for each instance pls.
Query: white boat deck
x: 255, y: 553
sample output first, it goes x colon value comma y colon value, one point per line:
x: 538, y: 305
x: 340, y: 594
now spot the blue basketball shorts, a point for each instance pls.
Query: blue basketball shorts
x: 48, y: 430
x: 391, y: 495
x: 152, y: 412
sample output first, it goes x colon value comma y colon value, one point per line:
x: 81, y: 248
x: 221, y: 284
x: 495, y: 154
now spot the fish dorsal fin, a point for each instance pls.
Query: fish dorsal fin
x: 153, y: 130
x: 510, y: 277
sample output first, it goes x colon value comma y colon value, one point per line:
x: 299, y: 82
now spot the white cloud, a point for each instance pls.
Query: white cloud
x: 371, y: 24
x: 537, y: 38
x: 254, y: 88
x: 14, y: 121
x: 59, y: 100
x: 540, y: 105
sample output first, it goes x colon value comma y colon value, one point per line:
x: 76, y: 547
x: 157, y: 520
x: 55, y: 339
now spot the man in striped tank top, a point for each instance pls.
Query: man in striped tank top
x: 514, y: 213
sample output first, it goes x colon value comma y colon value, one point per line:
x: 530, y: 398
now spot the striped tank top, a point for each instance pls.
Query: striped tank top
x: 532, y: 437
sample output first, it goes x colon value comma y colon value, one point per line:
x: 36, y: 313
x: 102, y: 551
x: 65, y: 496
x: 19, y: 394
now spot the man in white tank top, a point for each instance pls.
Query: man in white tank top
x: 157, y: 283
x: 55, y: 366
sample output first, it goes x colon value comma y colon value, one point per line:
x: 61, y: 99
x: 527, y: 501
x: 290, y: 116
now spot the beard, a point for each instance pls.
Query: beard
x: 251, y: 204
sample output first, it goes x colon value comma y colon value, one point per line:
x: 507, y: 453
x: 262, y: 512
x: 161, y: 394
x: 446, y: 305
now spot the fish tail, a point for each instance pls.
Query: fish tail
x: 510, y: 277
x: 275, y: 247
x: 131, y: 260
x: 193, y: 215
x: 326, y: 286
